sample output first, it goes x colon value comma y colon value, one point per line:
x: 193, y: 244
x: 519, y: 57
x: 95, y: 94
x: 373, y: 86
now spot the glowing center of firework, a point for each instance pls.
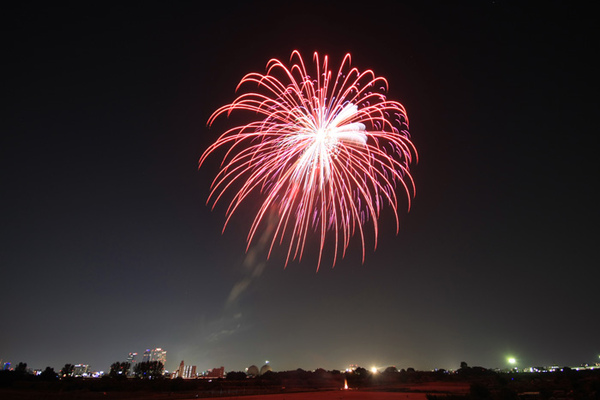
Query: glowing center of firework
x: 324, y: 141
x: 352, y: 132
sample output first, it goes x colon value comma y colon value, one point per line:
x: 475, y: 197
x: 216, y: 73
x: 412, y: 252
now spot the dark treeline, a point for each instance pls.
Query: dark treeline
x: 484, y: 384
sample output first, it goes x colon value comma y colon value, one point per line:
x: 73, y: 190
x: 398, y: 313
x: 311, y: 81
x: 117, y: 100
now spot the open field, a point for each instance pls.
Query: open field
x: 396, y: 392
x: 335, y: 395
x: 404, y: 392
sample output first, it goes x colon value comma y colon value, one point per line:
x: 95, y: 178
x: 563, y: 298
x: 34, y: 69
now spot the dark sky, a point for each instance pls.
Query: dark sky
x: 107, y: 246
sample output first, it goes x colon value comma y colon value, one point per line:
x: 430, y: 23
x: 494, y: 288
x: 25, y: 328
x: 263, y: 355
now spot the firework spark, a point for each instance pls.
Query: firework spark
x: 325, y: 152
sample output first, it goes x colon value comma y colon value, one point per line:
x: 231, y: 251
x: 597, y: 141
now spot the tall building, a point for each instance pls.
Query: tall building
x: 189, y: 372
x: 159, y: 354
x: 131, y: 358
x: 185, y: 371
x: 179, y: 372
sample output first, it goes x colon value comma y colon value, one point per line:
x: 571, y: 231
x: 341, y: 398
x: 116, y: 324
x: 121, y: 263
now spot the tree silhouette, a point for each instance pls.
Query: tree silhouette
x: 21, y: 368
x: 149, y: 369
x: 48, y: 374
x: 119, y: 369
x: 235, y: 376
x: 67, y: 370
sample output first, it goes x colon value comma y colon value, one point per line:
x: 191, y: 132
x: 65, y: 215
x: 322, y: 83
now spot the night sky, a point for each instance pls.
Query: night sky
x: 107, y: 245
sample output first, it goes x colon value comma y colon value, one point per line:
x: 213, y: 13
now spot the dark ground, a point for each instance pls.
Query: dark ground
x: 475, y: 385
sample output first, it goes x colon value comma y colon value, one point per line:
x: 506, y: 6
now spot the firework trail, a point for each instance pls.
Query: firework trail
x: 325, y: 152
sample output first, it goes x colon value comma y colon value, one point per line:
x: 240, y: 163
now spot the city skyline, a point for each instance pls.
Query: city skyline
x: 511, y: 362
x: 107, y: 243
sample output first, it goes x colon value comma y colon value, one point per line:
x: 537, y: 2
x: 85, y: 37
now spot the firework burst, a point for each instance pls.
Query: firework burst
x: 325, y: 152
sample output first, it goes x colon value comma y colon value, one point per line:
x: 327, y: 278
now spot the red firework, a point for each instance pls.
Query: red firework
x: 325, y: 152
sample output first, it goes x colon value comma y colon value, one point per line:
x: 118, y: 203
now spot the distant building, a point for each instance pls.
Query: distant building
x: 157, y: 354
x: 252, y: 371
x: 185, y: 371
x: 189, y: 372
x: 146, y: 356
x: 265, y: 368
x: 216, y: 373
x: 131, y: 358
x: 178, y: 373
x: 80, y: 370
